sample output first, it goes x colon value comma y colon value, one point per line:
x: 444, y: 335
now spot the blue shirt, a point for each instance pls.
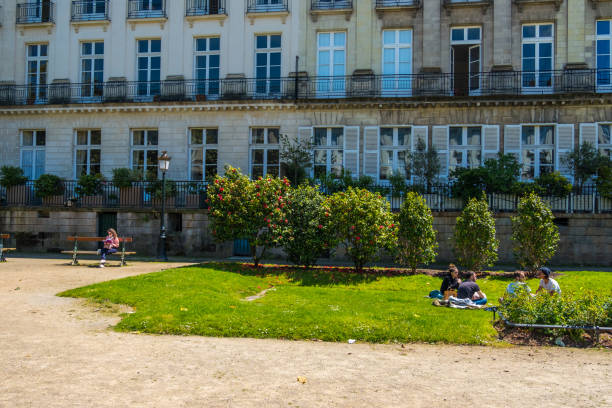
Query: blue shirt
x: 516, y: 285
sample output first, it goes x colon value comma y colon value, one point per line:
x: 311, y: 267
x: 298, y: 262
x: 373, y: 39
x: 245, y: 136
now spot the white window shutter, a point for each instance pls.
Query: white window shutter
x: 512, y: 141
x: 371, y: 151
x: 439, y: 141
x: 351, y: 150
x: 419, y: 133
x: 564, y: 145
x: 588, y: 133
x: 490, y: 142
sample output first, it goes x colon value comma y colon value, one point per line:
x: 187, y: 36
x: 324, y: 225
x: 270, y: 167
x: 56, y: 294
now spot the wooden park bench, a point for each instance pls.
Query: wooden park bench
x: 2, y: 248
x: 76, y: 251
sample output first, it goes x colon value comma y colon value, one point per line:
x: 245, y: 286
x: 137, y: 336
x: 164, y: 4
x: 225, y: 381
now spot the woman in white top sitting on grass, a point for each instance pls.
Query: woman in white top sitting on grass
x: 547, y: 283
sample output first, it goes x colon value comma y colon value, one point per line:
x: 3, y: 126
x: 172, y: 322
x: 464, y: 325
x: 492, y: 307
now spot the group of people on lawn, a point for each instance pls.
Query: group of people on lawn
x: 468, y: 292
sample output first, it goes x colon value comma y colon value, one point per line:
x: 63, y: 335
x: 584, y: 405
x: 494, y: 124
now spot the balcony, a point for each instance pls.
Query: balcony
x: 92, y: 10
x: 196, y: 10
x: 396, y: 4
x: 522, y: 3
x: 36, y: 14
x: 267, y: 6
x: 146, y: 9
x: 323, y: 7
x: 415, y: 86
x: 453, y: 4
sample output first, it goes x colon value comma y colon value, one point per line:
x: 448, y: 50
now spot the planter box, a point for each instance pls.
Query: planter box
x: 91, y: 201
x: 53, y: 201
x: 18, y: 195
x: 130, y: 197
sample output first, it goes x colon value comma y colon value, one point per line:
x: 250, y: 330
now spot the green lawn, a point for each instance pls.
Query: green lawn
x: 314, y: 304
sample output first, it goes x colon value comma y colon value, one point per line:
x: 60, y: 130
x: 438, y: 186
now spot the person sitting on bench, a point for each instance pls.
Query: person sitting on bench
x: 470, y: 290
x: 111, y: 245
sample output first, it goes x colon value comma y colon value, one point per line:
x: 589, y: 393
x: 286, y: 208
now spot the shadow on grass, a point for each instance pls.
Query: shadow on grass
x: 309, y: 276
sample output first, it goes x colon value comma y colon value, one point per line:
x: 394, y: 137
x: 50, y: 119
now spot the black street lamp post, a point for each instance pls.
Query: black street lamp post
x: 164, y: 165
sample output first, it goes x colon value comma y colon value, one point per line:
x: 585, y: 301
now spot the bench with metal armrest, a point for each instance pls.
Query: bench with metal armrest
x: 76, y: 251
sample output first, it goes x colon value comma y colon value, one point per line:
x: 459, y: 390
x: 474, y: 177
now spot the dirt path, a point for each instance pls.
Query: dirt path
x: 57, y: 352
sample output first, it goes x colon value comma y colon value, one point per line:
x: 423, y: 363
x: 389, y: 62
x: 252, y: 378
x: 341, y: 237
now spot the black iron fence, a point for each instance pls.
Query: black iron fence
x: 267, y: 6
x: 588, y: 81
x: 40, y: 12
x: 397, y: 3
x: 331, y: 4
x: 89, y: 10
x: 146, y: 8
x: 192, y: 195
x: 204, y: 7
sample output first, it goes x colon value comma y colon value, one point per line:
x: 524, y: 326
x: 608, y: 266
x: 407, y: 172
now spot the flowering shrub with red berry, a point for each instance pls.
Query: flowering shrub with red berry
x: 309, y: 234
x: 240, y: 208
x: 362, y: 221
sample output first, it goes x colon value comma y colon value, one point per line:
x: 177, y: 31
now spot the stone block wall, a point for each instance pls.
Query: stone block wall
x: 586, y: 239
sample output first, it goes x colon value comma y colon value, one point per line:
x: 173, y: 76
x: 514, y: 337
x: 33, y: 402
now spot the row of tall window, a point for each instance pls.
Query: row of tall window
x: 537, y: 56
x: 464, y: 146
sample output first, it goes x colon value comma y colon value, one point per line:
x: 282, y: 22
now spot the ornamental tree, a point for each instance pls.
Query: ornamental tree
x: 309, y: 231
x: 534, y: 233
x: 416, y: 236
x: 475, y: 242
x: 253, y: 210
x: 362, y: 221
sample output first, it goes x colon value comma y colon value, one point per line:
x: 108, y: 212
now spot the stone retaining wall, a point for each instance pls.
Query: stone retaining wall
x: 586, y: 239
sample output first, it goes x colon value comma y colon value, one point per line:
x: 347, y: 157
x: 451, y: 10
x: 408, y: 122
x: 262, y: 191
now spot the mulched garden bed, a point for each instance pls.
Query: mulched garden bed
x: 542, y: 337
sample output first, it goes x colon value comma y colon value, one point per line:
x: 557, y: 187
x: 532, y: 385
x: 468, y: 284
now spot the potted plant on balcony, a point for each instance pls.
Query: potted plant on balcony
x: 130, y: 195
x: 89, y: 189
x: 50, y: 188
x: 154, y: 188
x: 14, y: 180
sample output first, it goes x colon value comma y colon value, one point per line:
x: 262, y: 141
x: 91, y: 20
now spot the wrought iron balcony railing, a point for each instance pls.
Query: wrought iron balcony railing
x: 267, y: 6
x: 397, y: 3
x: 448, y: 85
x: 33, y: 13
x: 191, y: 195
x: 331, y: 4
x: 90, y: 10
x: 146, y: 8
x: 204, y: 7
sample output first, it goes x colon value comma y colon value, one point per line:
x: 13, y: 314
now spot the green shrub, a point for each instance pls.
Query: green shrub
x: 475, y: 242
x: 90, y: 185
x: 333, y: 184
x: 554, y: 184
x: 240, y: 208
x: 588, y: 308
x: 469, y: 183
x: 583, y: 162
x: 416, y: 236
x: 604, y: 180
x: 521, y: 188
x: 398, y: 184
x: 309, y: 231
x: 11, y: 176
x: 124, y: 178
x: 155, y: 189
x: 534, y: 233
x: 363, y: 223
x: 49, y: 185
x: 496, y: 176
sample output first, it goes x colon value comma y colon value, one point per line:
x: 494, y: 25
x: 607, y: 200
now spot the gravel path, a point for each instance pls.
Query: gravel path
x: 57, y: 352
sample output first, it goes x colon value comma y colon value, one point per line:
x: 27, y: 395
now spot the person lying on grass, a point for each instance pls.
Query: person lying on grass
x: 548, y: 284
x: 450, y: 282
x: 470, y: 290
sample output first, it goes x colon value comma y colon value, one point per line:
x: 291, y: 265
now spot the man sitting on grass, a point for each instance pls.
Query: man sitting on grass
x: 470, y: 290
x: 548, y: 284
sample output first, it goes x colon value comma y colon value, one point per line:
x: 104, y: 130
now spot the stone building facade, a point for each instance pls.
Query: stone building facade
x: 93, y: 85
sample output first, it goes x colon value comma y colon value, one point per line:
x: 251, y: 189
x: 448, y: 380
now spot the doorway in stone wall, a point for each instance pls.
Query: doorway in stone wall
x: 107, y: 220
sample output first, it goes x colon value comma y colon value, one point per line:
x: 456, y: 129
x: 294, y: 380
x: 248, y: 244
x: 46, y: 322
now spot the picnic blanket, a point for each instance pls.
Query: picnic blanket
x: 457, y: 303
